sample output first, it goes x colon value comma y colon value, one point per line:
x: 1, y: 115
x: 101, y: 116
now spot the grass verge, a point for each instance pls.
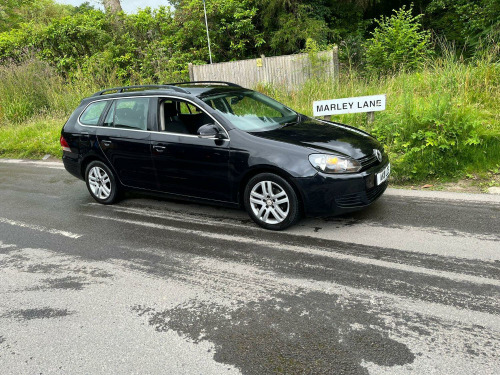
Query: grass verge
x: 32, y: 139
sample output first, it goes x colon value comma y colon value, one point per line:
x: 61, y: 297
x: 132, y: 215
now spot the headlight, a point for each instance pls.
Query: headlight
x: 334, y: 163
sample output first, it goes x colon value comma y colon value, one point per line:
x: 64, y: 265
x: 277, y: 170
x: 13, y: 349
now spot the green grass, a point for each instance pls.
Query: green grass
x: 442, y: 122
x: 32, y: 139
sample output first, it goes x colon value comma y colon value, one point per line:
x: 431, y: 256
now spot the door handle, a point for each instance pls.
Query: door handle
x: 106, y: 143
x: 159, y: 148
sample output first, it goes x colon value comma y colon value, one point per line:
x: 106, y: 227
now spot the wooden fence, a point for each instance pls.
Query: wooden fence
x: 289, y: 71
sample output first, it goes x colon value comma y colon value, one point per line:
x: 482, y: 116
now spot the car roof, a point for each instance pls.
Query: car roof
x: 198, y: 89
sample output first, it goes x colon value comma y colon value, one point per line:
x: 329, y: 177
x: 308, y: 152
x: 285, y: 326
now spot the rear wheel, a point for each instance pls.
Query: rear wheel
x: 271, y: 202
x: 101, y: 182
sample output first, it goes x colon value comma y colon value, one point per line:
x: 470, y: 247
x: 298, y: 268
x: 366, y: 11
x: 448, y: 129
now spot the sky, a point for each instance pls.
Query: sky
x: 129, y: 6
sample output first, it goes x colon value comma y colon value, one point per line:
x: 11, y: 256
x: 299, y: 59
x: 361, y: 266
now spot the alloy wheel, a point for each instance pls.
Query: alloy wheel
x: 269, y: 202
x: 99, y: 183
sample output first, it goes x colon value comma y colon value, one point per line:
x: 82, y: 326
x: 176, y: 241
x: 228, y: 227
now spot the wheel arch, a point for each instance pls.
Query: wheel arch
x: 89, y: 159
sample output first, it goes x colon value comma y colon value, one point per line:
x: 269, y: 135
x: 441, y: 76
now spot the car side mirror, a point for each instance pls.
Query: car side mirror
x: 210, y: 131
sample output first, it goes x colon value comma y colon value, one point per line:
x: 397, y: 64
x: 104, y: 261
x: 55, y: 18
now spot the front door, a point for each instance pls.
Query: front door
x: 186, y: 163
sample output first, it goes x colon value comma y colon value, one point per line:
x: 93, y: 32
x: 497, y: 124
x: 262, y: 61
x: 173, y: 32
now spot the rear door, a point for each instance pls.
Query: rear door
x: 124, y: 138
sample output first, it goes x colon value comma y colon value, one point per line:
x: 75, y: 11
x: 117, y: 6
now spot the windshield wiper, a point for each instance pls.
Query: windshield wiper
x: 288, y: 124
x: 299, y: 119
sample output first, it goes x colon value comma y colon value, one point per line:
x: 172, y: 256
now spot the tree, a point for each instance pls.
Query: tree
x: 465, y: 22
x: 112, y: 6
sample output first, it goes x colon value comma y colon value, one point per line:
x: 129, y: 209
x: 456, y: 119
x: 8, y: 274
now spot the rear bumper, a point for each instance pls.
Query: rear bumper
x: 327, y: 194
x: 72, y: 165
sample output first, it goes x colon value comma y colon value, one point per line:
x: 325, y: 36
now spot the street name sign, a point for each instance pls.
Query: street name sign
x: 358, y: 104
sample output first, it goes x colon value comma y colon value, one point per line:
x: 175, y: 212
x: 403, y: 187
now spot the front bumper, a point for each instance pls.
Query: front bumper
x: 330, y: 194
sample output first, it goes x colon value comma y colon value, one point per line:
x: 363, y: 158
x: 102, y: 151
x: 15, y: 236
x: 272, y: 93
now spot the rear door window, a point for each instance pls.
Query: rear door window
x: 128, y: 114
x: 93, y: 112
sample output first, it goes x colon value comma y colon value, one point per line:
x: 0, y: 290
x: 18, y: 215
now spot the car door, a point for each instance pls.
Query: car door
x: 124, y: 138
x: 186, y: 163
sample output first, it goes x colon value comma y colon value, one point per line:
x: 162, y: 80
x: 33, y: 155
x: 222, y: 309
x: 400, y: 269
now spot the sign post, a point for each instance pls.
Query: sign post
x: 368, y: 104
x: 370, y: 116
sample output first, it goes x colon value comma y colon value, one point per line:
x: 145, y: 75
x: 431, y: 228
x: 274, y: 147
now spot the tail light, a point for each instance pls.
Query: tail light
x: 64, y: 144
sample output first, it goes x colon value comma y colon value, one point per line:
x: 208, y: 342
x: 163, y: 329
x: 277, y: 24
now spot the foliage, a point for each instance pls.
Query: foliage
x: 25, y: 90
x: 288, y: 24
x: 398, y: 43
x: 69, y: 41
x: 465, y: 22
x: 233, y: 33
x: 151, y: 44
x: 157, y: 44
x: 15, y: 13
x: 34, y: 88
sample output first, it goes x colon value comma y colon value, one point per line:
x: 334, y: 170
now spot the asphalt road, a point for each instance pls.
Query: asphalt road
x: 410, y: 285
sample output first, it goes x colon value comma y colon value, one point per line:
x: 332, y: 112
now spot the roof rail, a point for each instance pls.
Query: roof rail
x: 137, y: 87
x: 191, y: 82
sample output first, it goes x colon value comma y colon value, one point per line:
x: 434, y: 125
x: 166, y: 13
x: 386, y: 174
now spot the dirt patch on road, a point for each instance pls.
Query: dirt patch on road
x: 38, y: 313
x: 288, y: 334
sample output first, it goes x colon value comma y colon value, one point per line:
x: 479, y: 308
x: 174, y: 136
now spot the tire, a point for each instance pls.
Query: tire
x: 271, y: 202
x: 101, y: 182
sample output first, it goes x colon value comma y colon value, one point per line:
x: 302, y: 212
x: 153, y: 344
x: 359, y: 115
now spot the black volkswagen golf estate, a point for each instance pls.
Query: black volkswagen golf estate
x: 221, y: 143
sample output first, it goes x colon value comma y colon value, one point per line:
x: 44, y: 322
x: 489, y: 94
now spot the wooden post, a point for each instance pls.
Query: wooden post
x: 335, y: 63
x: 191, y: 72
x: 370, y: 116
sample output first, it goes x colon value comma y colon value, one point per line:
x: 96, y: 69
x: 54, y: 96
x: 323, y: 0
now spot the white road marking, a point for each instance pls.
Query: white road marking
x: 185, y: 216
x: 39, y: 228
x: 404, y: 238
x: 311, y: 251
x: 46, y: 164
x: 6, y: 245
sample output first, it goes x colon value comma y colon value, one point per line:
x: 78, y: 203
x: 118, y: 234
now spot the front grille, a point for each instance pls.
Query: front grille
x: 368, y: 161
x: 362, y: 198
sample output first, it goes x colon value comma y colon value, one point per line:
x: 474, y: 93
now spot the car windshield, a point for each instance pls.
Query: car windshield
x: 251, y: 111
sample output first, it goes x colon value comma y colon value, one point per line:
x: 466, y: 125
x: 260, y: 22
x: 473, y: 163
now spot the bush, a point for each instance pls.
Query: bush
x: 398, y: 43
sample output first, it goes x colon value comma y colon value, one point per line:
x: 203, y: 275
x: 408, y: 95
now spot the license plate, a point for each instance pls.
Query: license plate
x: 382, y: 176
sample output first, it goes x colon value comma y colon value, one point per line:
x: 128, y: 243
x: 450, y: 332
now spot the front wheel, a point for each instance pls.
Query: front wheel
x: 271, y: 202
x: 101, y: 182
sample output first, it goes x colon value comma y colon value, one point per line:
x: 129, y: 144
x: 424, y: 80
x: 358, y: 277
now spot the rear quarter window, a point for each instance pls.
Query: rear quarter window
x: 92, y: 113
